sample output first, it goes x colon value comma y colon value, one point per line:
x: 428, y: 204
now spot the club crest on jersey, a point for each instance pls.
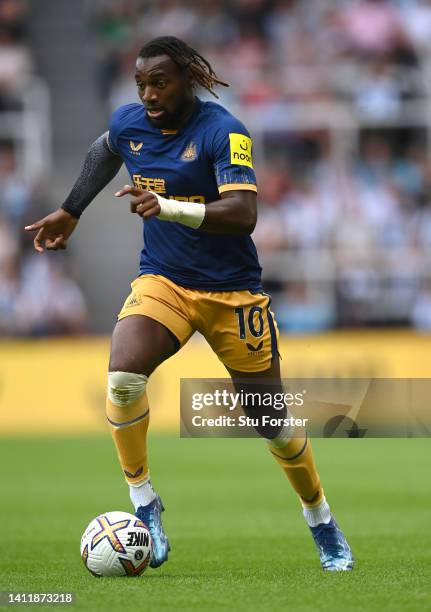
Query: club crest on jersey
x: 189, y: 153
x: 135, y: 148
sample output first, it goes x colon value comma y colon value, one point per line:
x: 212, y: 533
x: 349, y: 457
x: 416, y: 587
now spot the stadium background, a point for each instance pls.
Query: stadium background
x: 337, y: 96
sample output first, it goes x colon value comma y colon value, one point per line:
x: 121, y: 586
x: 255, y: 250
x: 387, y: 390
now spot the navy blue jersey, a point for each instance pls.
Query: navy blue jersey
x: 209, y: 155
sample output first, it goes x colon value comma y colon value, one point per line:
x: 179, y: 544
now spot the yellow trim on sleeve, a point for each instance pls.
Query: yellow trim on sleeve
x: 239, y: 186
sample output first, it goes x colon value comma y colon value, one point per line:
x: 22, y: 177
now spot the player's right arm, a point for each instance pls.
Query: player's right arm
x: 100, y: 166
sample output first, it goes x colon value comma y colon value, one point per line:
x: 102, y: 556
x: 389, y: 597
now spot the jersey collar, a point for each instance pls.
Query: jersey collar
x: 190, y: 120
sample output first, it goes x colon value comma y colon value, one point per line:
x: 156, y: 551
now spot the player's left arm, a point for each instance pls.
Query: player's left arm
x: 235, y: 213
x: 230, y: 151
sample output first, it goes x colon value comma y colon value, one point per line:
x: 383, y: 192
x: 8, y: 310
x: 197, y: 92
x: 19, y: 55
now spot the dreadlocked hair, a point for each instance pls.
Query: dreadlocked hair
x: 186, y: 58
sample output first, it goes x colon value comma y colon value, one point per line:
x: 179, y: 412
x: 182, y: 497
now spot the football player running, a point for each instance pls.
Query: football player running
x: 194, y: 186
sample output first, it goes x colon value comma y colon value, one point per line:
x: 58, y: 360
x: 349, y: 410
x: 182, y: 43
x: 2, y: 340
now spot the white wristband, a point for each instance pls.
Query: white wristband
x: 188, y: 213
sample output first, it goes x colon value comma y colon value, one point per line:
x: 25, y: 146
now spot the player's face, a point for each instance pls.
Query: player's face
x: 164, y: 89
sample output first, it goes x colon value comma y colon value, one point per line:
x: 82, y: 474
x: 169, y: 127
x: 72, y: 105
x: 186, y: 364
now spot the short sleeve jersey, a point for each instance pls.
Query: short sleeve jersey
x: 211, y: 154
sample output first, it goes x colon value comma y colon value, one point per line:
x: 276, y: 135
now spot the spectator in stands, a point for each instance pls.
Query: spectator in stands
x: 377, y: 90
x: 14, y: 193
x: 304, y: 310
x: 49, y: 301
x: 9, y: 246
x: 14, y: 19
x: 421, y: 311
x: 416, y: 21
x: 9, y: 292
x: 36, y: 297
x: 371, y: 27
x: 216, y: 27
x: 271, y: 232
x: 15, y: 69
x: 309, y: 213
x: 250, y: 16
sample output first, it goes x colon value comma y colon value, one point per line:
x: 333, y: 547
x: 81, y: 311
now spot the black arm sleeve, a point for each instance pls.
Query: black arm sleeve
x: 100, y: 167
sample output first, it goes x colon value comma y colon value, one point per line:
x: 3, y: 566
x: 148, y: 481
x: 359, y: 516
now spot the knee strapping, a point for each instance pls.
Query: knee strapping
x: 283, y: 437
x: 124, y: 388
x: 285, y: 433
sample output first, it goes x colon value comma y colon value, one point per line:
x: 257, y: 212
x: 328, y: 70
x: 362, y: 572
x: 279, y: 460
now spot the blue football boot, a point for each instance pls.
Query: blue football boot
x: 334, y: 551
x: 151, y: 516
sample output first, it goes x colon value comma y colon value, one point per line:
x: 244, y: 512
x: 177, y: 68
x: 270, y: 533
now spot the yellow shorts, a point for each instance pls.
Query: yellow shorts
x: 238, y: 325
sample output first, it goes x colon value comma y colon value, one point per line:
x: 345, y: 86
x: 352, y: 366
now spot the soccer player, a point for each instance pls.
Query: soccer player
x: 194, y: 186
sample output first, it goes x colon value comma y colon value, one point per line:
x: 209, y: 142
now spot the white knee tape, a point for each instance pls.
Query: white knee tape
x: 285, y: 435
x: 125, y: 387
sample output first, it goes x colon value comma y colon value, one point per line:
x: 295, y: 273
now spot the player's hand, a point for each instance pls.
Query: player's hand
x: 144, y: 203
x: 52, y: 231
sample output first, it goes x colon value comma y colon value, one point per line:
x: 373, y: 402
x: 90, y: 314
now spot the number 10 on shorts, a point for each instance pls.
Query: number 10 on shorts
x: 254, y: 320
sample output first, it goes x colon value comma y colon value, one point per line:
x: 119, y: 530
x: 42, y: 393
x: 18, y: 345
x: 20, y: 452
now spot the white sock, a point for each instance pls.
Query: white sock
x: 318, y: 514
x: 142, y: 494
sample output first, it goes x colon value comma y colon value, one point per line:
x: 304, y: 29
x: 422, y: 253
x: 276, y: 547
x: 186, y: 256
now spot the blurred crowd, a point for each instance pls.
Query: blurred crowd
x: 365, y: 209
x: 361, y: 224
x: 277, y: 50
x: 38, y: 295
x: 15, y: 56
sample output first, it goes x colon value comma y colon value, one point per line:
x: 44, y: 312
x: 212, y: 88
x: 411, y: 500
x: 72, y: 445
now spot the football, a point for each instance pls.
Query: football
x: 116, y: 544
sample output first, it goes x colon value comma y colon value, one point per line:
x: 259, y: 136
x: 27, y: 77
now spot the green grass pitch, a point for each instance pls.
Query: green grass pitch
x: 238, y: 538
